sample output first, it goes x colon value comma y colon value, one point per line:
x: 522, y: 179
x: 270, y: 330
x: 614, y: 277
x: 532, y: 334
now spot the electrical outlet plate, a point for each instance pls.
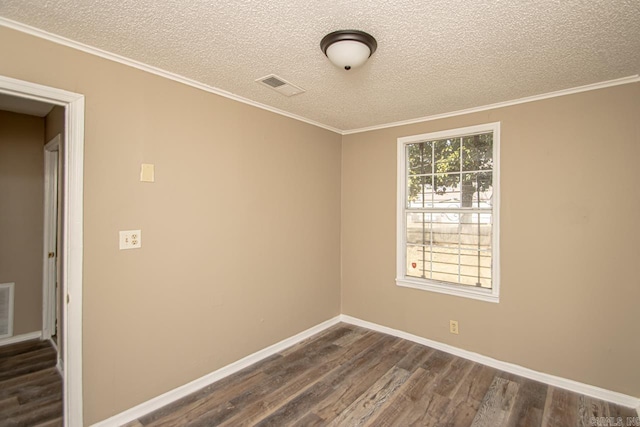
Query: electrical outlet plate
x: 130, y: 239
x: 453, y: 326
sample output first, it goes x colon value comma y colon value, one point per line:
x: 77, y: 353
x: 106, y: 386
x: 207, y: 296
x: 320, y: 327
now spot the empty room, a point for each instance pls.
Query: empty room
x: 319, y: 213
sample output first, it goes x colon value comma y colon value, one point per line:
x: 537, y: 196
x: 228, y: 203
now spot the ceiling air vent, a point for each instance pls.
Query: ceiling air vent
x: 280, y: 85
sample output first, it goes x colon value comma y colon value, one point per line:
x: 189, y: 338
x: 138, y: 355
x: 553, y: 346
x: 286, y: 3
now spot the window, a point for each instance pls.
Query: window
x: 448, y: 207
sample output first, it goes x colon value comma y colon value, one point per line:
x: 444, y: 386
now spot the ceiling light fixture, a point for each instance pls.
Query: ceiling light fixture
x: 348, y: 48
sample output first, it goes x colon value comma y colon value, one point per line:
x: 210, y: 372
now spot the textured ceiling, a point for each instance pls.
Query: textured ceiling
x: 433, y: 57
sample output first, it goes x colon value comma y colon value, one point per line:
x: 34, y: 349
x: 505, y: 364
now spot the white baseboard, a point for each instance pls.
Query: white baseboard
x: 19, y: 338
x: 195, y: 385
x: 575, y: 386
x: 53, y: 344
x: 58, y: 360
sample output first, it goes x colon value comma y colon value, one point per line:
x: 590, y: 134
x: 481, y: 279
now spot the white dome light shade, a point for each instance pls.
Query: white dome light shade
x: 348, y: 54
x: 348, y: 49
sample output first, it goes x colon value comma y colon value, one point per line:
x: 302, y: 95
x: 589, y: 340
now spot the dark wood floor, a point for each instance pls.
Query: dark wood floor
x: 30, y: 385
x: 350, y: 376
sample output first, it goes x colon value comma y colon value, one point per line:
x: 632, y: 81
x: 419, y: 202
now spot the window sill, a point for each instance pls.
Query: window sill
x: 487, y: 295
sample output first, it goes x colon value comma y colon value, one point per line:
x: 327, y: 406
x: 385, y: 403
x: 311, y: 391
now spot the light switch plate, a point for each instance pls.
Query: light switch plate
x: 147, y: 173
x: 130, y: 239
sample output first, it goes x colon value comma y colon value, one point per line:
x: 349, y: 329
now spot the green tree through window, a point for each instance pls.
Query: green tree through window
x: 440, y: 165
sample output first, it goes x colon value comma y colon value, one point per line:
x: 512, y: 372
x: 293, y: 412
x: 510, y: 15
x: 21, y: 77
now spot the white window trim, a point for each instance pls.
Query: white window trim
x: 490, y: 295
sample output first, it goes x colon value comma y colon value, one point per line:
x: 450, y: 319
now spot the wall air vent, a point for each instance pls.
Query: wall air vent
x: 6, y: 309
x: 280, y: 85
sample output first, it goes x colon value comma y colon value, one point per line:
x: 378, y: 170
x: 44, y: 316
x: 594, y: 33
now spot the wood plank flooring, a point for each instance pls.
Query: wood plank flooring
x: 30, y: 385
x: 350, y: 376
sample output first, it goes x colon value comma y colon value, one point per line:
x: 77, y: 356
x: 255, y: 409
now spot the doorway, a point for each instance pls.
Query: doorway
x: 71, y: 151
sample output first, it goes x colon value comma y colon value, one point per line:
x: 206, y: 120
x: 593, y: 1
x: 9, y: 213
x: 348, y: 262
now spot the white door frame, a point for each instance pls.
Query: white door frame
x: 49, y: 301
x: 72, y: 220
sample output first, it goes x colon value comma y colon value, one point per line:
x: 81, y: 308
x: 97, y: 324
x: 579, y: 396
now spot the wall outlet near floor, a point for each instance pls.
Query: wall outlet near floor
x: 130, y: 239
x: 453, y: 326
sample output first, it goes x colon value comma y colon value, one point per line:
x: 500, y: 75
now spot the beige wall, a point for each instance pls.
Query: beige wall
x: 21, y: 215
x: 54, y: 123
x: 569, y: 233
x: 240, y: 231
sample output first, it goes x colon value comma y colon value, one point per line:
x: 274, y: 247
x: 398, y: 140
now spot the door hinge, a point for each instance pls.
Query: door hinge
x: 52, y: 254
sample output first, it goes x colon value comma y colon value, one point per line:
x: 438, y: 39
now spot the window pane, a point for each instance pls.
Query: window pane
x: 477, y: 152
x: 475, y: 231
x: 420, y: 191
x: 419, y: 228
x: 420, y: 158
x: 445, y: 264
x: 476, y: 190
x: 445, y: 277
x: 447, y: 155
x: 475, y: 249
x: 447, y: 196
x: 475, y: 268
x: 417, y: 258
x: 445, y: 229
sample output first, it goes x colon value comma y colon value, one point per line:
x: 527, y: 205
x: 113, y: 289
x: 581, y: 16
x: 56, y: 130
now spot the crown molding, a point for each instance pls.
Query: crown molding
x: 594, y: 86
x: 36, y: 32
